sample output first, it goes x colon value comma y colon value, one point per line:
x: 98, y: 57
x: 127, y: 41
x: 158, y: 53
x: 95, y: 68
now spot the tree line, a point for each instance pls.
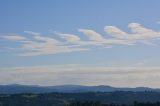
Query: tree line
x: 98, y: 103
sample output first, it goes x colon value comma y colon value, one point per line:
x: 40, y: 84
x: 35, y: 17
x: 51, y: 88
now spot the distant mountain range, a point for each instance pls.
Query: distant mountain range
x: 15, y: 88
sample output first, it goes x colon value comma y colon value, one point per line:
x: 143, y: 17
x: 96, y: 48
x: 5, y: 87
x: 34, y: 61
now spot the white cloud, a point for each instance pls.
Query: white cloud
x: 13, y: 37
x: 48, y: 46
x: 43, y: 45
x: 69, y: 37
x: 82, y: 74
x: 115, y: 32
x: 139, y: 33
x: 92, y: 35
x: 53, y: 50
x: 47, y: 39
x: 32, y: 33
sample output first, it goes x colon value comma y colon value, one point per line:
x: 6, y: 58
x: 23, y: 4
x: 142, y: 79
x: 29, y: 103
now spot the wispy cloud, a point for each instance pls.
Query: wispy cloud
x: 92, y: 35
x: 139, y: 33
x: 43, y: 45
x: 81, y: 74
x: 48, y: 46
x: 70, y: 38
x: 13, y: 37
x: 32, y: 33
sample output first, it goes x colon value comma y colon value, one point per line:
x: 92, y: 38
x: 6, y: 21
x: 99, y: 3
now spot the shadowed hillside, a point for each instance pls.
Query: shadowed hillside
x: 62, y: 99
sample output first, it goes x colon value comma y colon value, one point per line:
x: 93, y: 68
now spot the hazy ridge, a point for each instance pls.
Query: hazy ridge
x: 15, y: 88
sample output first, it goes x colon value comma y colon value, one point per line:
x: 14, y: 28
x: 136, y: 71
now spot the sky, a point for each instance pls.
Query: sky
x: 82, y: 42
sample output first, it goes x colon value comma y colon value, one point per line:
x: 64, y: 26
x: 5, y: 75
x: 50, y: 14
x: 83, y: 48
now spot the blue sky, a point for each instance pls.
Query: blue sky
x: 101, y: 35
